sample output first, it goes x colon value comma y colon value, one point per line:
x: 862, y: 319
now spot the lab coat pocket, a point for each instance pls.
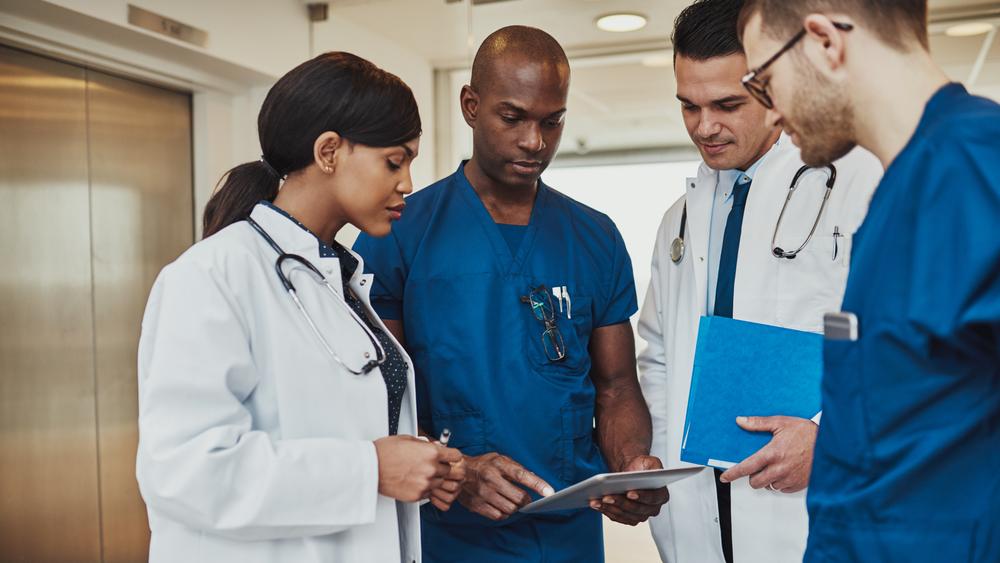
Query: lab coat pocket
x: 573, y: 327
x: 579, y: 458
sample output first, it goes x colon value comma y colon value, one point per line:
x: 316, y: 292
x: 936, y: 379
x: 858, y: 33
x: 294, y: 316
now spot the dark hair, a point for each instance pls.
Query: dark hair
x: 335, y: 91
x: 895, y: 22
x: 707, y: 29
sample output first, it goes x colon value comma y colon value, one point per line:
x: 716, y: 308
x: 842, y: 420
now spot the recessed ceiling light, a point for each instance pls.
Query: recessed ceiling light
x: 969, y: 29
x: 621, y: 22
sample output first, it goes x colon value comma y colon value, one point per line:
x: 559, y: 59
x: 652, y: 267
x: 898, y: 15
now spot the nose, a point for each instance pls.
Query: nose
x: 774, y: 118
x: 405, y: 187
x: 531, y: 140
x: 708, y: 126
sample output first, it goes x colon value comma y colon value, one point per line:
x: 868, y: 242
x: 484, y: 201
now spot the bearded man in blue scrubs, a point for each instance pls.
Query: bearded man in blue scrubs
x: 514, y: 303
x: 906, y: 460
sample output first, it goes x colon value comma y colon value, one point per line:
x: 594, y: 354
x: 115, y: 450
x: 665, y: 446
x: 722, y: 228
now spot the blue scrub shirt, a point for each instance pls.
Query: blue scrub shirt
x: 907, y: 462
x: 481, y: 369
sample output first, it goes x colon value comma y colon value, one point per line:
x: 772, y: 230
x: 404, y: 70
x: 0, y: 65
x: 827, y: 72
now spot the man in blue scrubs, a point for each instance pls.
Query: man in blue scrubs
x: 905, y: 466
x: 514, y: 302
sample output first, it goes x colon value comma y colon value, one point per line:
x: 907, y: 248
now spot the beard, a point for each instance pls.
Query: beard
x: 823, y: 120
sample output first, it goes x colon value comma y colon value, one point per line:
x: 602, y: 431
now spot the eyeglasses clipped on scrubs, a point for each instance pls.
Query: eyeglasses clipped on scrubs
x: 544, y: 311
x: 757, y: 86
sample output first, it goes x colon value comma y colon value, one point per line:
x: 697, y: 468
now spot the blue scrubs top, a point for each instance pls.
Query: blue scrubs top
x: 907, y: 462
x: 481, y: 369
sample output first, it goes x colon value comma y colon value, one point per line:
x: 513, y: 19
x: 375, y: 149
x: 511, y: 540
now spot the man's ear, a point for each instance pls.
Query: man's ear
x: 469, y: 101
x: 326, y: 149
x: 825, y: 45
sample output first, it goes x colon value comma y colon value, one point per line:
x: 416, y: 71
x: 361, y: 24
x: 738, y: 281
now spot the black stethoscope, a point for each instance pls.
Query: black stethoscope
x: 282, y: 257
x: 677, y: 246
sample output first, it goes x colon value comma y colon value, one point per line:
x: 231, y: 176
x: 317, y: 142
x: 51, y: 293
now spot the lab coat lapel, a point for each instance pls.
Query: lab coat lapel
x: 700, y: 193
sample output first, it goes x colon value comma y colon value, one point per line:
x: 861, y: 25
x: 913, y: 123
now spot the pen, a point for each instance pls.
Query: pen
x: 836, y: 246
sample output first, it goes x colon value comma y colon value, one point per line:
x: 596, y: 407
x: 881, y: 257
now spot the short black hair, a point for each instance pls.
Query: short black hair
x: 707, y: 29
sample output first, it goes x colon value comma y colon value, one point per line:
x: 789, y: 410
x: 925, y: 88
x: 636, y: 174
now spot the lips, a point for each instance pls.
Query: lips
x: 526, y: 166
x: 396, y: 211
x: 714, y: 148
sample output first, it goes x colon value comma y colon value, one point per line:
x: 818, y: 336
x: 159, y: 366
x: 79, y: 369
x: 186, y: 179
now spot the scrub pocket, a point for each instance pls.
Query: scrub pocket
x: 577, y: 455
x: 574, y: 326
x: 468, y: 432
x: 845, y: 430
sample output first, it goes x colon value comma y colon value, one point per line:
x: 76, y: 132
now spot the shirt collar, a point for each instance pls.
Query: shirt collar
x: 727, y: 178
x: 295, y: 238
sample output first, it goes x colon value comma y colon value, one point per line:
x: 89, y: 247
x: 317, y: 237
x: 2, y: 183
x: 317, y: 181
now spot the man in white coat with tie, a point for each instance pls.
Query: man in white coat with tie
x: 721, y: 250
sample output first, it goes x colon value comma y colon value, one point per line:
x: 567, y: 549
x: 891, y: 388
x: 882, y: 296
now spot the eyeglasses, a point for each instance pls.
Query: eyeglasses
x: 541, y: 307
x: 758, y: 87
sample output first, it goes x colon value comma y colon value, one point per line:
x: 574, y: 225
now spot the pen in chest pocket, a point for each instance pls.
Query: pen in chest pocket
x: 561, y: 293
x: 836, y: 241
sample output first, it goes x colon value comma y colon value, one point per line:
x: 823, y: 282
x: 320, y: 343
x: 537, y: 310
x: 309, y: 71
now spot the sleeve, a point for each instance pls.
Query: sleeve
x: 653, y: 380
x: 653, y: 358
x: 957, y: 262
x: 621, y: 303
x: 383, y: 259
x: 200, y: 461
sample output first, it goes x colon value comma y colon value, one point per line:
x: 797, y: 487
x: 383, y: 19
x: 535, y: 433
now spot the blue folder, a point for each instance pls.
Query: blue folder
x: 747, y: 369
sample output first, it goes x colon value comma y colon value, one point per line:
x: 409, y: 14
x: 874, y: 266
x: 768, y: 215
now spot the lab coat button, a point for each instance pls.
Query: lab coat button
x: 716, y: 520
x: 363, y: 282
x: 701, y: 258
x: 367, y: 355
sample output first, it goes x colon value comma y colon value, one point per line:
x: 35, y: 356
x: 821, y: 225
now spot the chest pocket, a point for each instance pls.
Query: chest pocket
x: 813, y: 283
x: 573, y: 325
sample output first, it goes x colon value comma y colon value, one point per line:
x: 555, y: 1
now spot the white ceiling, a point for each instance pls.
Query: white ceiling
x: 616, y: 102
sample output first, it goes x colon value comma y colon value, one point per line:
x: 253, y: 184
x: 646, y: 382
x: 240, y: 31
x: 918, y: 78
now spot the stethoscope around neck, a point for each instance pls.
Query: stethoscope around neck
x: 677, y: 247
x: 287, y: 283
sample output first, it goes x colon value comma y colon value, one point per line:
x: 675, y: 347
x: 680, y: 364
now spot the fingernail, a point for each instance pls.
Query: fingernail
x: 609, y: 500
x: 633, y: 496
x: 548, y: 491
x: 723, y: 480
x: 741, y: 419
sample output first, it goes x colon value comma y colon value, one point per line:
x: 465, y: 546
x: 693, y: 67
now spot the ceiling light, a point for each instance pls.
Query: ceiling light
x: 969, y: 29
x: 621, y: 22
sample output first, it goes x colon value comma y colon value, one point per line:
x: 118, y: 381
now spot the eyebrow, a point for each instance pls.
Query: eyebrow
x: 520, y: 110
x: 408, y: 150
x: 720, y: 101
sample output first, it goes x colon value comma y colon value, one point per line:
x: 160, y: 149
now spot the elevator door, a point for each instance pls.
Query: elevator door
x: 95, y: 198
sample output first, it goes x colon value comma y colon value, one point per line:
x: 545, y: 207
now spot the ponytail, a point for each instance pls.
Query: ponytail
x: 242, y: 187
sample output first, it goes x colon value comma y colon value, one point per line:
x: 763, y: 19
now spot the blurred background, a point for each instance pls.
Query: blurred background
x: 117, y: 120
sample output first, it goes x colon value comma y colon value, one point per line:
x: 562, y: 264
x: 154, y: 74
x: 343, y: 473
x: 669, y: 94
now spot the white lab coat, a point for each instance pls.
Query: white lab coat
x: 768, y: 527
x: 254, y: 445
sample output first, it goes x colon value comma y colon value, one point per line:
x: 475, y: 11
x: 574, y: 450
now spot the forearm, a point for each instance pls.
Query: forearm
x: 624, y: 427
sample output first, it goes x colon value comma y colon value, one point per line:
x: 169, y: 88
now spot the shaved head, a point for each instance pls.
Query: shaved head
x: 513, y: 44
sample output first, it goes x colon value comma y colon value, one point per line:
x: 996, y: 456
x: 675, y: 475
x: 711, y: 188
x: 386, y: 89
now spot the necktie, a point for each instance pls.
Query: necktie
x: 724, y: 287
x: 726, y: 282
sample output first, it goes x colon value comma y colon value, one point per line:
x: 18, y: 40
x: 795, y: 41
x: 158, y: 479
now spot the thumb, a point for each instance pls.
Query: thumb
x: 758, y: 423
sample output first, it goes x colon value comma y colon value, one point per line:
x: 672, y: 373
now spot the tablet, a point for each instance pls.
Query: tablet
x: 580, y: 494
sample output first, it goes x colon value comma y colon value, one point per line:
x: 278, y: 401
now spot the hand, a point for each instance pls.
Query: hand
x: 634, y: 507
x: 443, y: 496
x: 489, y: 488
x: 785, y: 462
x: 410, y: 469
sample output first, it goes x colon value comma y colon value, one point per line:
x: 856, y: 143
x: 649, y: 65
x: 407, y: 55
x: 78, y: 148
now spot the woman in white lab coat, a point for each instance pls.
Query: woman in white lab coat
x: 276, y: 411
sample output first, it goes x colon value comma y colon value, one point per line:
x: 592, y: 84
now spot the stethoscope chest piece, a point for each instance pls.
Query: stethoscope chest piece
x: 677, y: 247
x: 677, y: 250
